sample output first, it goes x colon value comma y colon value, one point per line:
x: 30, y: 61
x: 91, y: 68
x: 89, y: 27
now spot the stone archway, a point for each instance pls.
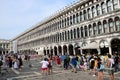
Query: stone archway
x: 77, y: 50
x: 71, y: 52
x: 115, y: 45
x: 65, y: 49
x: 60, y: 50
x: 55, y: 50
x: 44, y: 52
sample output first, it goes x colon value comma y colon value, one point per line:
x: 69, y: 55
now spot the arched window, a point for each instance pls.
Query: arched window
x: 68, y: 35
x: 81, y: 31
x: 77, y: 19
x: 111, y: 25
x: 89, y: 13
x: 115, y: 4
x: 81, y: 16
x: 58, y: 25
x: 109, y: 7
x: 62, y: 23
x: 86, y: 32
x: 94, y: 29
x: 99, y: 28
x: 117, y: 23
x: 90, y: 30
x: 85, y: 15
x: 98, y: 10
x: 71, y: 34
x: 103, y: 6
x: 78, y: 33
x: 93, y: 11
x: 74, y: 33
x: 60, y: 37
x: 65, y: 36
x: 73, y: 19
x: 67, y: 21
x: 105, y: 29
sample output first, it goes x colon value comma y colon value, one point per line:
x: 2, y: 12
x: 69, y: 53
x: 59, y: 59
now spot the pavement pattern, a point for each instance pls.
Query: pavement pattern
x: 34, y: 73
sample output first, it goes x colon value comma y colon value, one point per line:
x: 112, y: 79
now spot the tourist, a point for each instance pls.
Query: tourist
x: 44, y: 66
x: 110, y: 64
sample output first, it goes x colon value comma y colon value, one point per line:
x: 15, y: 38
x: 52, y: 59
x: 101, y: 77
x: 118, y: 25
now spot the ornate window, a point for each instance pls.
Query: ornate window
x: 86, y: 32
x: 71, y: 35
x: 81, y: 16
x: 109, y: 7
x: 105, y: 28
x: 71, y: 20
x: 115, y: 4
x: 98, y: 10
x: 65, y: 35
x: 81, y: 31
x: 74, y: 19
x: 93, y: 11
x: 77, y: 18
x: 111, y: 25
x: 74, y: 33
x: 60, y: 37
x: 103, y: 6
x: 94, y: 29
x: 99, y: 28
x: 78, y: 33
x: 68, y: 35
x: 117, y: 23
x: 89, y: 13
x: 67, y: 21
x: 90, y: 30
x: 85, y: 15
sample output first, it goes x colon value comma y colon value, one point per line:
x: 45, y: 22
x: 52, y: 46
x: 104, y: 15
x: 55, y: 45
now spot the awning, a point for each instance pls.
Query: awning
x: 90, y: 46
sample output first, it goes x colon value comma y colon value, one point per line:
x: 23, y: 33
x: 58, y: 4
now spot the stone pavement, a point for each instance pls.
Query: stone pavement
x: 60, y: 74
x: 34, y: 73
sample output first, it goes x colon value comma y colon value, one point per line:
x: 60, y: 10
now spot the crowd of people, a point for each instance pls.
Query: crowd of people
x: 93, y: 63
x: 14, y: 61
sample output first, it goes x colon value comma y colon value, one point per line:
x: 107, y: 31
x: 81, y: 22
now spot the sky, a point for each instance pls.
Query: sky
x: 16, y: 16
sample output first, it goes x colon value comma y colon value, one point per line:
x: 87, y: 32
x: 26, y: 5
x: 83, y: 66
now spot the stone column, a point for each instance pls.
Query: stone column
x: 110, y: 50
x: 81, y: 51
x: 112, y: 6
x: 74, y: 50
x: 118, y: 3
x: 68, y: 50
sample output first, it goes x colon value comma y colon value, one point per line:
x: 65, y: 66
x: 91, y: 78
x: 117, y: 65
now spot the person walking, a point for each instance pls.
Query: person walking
x: 110, y: 64
x: 44, y: 66
x: 100, y: 69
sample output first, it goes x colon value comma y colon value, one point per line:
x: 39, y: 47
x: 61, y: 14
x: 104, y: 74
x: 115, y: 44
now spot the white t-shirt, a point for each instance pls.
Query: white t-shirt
x: 44, y: 64
x: 111, y: 62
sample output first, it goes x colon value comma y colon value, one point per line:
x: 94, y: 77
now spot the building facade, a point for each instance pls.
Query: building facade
x: 84, y: 26
x: 4, y: 46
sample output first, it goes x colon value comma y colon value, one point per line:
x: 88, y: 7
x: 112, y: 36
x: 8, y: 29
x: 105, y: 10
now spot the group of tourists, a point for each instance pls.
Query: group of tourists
x: 93, y: 63
x: 14, y: 61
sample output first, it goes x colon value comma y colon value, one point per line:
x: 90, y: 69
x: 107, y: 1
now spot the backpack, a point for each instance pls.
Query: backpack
x: 102, y: 67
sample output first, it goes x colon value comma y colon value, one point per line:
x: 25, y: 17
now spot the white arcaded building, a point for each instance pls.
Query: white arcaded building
x: 84, y: 26
x: 4, y: 46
